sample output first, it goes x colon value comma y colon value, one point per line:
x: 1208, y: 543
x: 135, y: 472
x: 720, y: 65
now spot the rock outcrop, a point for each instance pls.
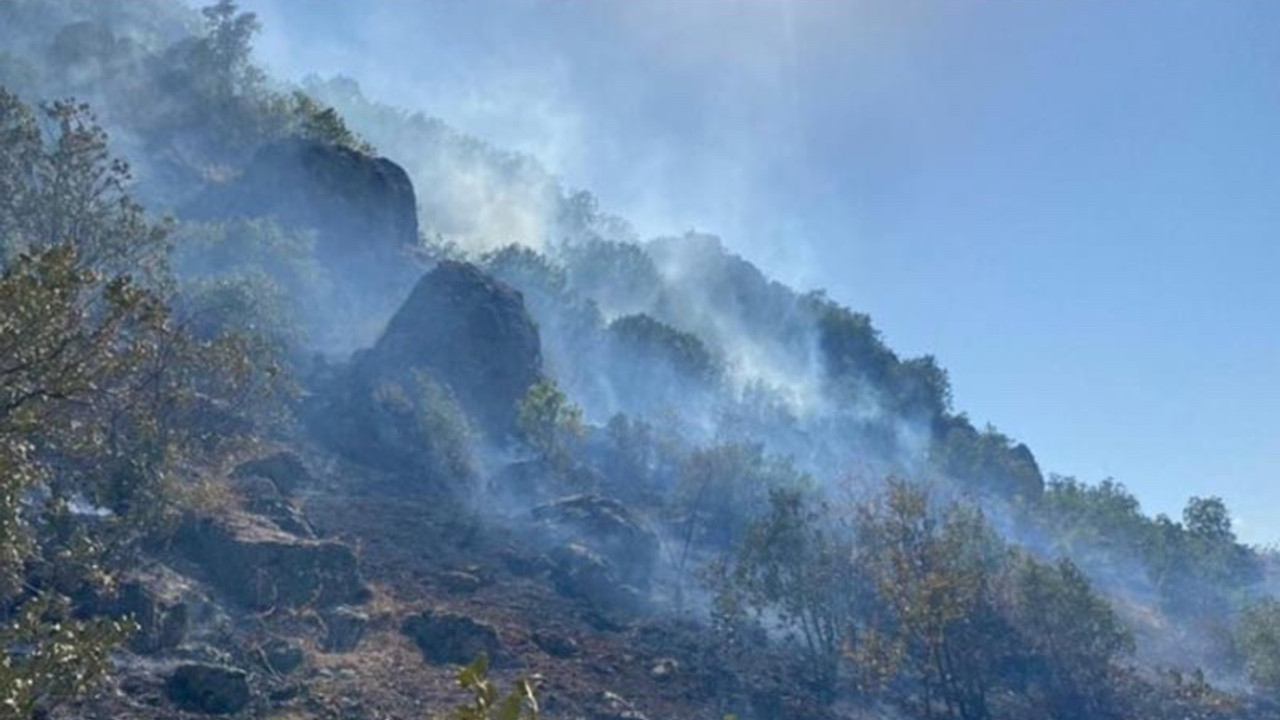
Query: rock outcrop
x: 451, y: 638
x: 606, y: 527
x: 363, y: 209
x: 580, y: 573
x: 469, y: 332
x: 284, y: 469
x: 207, y: 688
x: 263, y: 567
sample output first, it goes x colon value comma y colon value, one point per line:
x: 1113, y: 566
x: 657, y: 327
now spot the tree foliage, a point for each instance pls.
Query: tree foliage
x: 549, y: 421
x: 106, y: 399
x: 1258, y: 638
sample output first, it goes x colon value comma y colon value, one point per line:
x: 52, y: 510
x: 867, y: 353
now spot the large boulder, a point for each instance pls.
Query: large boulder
x: 344, y: 627
x: 469, y: 332
x: 157, y: 599
x: 262, y: 567
x: 208, y: 688
x: 578, y: 572
x: 450, y: 638
x: 263, y: 498
x: 284, y: 469
x: 606, y: 527
x: 363, y: 209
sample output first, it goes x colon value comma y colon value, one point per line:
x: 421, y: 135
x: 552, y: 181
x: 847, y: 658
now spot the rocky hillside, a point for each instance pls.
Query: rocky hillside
x: 289, y: 430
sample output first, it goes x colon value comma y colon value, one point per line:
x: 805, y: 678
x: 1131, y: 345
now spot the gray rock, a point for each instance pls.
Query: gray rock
x: 284, y: 469
x: 451, y: 638
x: 664, y: 669
x: 459, y: 582
x: 209, y: 689
x: 344, y: 626
x: 282, y: 657
x: 470, y: 332
x: 612, y: 706
x: 363, y: 209
x: 264, y: 567
x: 606, y: 527
x: 162, y: 620
x: 579, y: 572
x: 262, y: 497
x: 556, y: 645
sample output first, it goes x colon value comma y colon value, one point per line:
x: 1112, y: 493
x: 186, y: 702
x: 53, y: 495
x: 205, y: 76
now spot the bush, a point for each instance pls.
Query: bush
x: 1258, y: 640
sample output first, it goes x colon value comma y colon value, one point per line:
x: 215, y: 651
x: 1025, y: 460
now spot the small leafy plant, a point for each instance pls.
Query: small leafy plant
x: 488, y: 702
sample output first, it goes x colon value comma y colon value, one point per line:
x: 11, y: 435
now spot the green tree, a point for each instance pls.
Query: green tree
x: 550, y: 422
x: 722, y: 487
x: 1258, y: 640
x: 323, y: 124
x: 935, y: 569
x: 798, y: 563
x: 1070, y: 637
x: 105, y: 400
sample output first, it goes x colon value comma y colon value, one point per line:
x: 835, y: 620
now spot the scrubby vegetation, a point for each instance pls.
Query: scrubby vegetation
x: 648, y: 441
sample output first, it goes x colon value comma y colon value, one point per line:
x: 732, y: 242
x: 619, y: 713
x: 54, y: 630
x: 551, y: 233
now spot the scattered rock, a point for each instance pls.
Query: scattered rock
x: 607, y: 527
x: 556, y: 645
x: 263, y: 567
x: 344, y: 626
x: 282, y: 657
x: 210, y: 689
x: 446, y: 637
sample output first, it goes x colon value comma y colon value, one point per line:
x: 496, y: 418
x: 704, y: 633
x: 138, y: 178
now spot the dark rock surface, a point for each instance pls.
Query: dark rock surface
x: 210, y: 689
x: 363, y: 208
x: 344, y: 627
x: 263, y: 567
x: 556, y: 645
x: 284, y: 469
x: 607, y: 527
x: 446, y: 637
x: 472, y: 334
x: 262, y: 497
x: 161, y: 616
x: 282, y: 657
x: 578, y: 572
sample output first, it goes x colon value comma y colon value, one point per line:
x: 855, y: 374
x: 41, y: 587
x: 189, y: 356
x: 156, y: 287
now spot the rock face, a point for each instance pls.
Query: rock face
x: 283, y: 469
x: 445, y: 637
x: 282, y: 657
x: 471, y: 333
x: 344, y: 627
x: 263, y: 498
x: 606, y: 527
x: 161, y: 615
x: 362, y: 208
x: 262, y: 567
x: 210, y: 689
x: 579, y: 572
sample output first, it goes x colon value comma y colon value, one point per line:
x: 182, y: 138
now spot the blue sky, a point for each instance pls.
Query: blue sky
x: 1074, y: 205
